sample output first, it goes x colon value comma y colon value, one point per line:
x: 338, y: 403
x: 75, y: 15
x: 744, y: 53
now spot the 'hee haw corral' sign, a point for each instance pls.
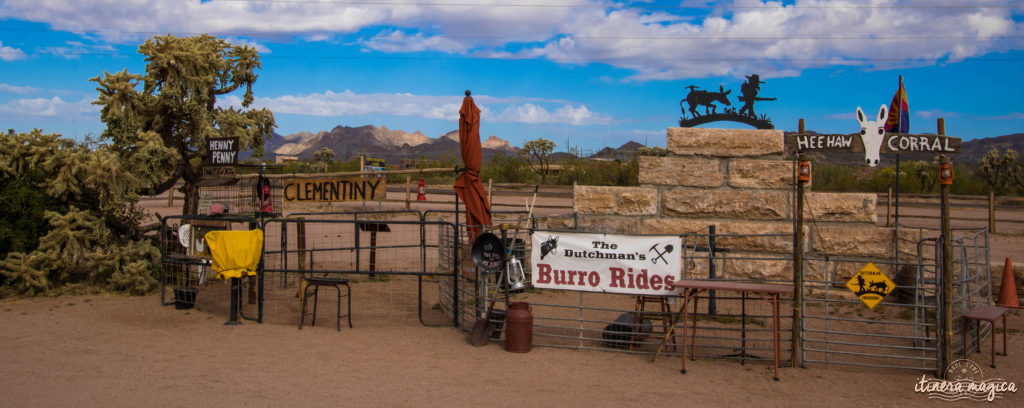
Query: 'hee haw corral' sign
x: 332, y: 190
x: 872, y: 140
x: 222, y: 151
x: 636, y: 265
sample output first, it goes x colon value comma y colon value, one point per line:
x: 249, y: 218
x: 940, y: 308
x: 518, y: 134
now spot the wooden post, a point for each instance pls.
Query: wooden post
x: 992, y: 211
x: 888, y: 208
x: 490, y: 202
x: 946, y: 325
x: 300, y: 243
x: 170, y: 197
x: 408, y: 180
x: 947, y: 276
x: 798, y: 269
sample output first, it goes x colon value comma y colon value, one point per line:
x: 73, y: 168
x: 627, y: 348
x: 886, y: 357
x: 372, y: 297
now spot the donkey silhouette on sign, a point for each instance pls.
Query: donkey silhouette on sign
x: 704, y: 98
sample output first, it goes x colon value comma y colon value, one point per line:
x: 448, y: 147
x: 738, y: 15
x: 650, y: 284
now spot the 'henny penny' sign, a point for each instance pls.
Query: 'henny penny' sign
x: 873, y: 140
x: 222, y: 151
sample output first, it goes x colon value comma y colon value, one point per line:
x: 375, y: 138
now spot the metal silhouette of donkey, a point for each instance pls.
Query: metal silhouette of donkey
x: 704, y: 98
x: 872, y: 133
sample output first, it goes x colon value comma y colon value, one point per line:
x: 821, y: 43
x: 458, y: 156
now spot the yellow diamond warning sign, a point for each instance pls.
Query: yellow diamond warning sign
x: 870, y: 285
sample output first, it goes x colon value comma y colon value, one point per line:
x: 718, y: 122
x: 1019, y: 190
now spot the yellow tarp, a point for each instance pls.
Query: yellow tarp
x: 235, y: 253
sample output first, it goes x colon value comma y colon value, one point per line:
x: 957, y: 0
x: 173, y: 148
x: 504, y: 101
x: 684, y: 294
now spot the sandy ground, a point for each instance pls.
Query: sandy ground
x: 112, y: 351
x: 109, y: 351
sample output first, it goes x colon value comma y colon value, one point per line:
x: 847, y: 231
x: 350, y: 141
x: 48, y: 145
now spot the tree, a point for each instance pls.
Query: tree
x: 322, y: 159
x: 996, y: 170
x: 1017, y: 172
x: 506, y: 169
x: 927, y: 174
x: 324, y: 155
x: 538, y: 156
x: 174, y: 104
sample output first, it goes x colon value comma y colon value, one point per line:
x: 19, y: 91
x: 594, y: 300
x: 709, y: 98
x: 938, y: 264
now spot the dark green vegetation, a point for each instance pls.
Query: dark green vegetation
x: 996, y: 171
x: 68, y: 218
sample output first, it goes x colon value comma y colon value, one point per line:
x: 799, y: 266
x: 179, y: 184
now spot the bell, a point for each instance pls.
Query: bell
x: 514, y: 277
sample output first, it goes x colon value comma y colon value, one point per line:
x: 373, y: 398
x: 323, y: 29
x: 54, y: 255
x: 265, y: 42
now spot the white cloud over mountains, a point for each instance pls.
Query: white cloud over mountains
x: 497, y: 109
x: 655, y: 41
x: 54, y: 107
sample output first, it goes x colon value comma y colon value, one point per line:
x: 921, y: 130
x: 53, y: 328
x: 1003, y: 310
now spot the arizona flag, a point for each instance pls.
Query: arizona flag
x: 899, y: 112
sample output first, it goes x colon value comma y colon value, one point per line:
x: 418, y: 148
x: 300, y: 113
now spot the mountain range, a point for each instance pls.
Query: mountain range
x: 348, y: 142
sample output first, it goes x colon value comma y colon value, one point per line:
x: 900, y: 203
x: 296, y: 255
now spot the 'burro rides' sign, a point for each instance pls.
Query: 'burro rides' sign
x: 873, y: 140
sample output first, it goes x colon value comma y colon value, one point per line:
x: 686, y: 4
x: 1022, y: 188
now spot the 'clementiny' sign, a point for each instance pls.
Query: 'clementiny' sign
x: 630, y: 264
x: 331, y: 190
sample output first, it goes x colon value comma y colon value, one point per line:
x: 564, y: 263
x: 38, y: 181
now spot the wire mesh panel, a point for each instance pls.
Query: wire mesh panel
x: 729, y: 324
x: 901, y: 331
x: 391, y: 266
x: 240, y: 196
x: 186, y: 277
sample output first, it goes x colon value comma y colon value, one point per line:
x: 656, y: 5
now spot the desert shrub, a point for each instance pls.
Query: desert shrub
x: 68, y: 215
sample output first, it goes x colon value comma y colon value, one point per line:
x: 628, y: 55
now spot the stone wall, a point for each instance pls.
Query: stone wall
x: 742, y: 182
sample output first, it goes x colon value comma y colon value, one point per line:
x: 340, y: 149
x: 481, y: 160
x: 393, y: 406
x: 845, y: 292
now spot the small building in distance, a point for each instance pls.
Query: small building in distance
x: 282, y: 158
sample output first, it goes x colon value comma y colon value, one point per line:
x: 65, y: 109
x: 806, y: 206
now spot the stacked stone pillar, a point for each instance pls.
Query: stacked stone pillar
x: 741, y: 181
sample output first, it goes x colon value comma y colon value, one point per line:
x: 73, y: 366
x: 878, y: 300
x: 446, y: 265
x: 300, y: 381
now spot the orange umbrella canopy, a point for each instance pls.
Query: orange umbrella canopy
x: 468, y: 186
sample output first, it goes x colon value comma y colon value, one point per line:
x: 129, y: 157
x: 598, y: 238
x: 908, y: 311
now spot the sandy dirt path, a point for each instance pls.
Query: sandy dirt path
x: 108, y: 351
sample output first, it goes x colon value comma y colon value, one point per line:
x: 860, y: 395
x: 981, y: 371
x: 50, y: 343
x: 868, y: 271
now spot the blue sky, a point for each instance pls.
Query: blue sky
x: 578, y: 72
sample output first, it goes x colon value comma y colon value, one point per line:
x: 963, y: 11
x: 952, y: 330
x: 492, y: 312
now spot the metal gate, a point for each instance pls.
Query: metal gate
x: 395, y: 265
x: 903, y: 330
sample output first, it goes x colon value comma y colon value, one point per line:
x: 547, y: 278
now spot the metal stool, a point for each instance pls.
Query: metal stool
x: 989, y: 314
x: 315, y: 283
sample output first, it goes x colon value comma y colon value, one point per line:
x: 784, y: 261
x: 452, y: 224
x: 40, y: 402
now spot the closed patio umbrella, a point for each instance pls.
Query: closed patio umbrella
x: 468, y: 186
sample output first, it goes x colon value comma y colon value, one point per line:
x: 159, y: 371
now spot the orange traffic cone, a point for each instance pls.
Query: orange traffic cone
x: 1008, y: 288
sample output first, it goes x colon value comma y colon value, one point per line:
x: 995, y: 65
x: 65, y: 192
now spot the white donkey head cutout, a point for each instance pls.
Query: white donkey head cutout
x: 872, y: 133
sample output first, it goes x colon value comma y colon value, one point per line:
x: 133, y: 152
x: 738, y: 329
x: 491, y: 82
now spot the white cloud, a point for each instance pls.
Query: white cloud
x: 330, y: 103
x: 397, y: 41
x: 936, y: 113
x: 16, y: 89
x: 646, y: 132
x: 54, y: 107
x: 654, y: 43
x: 566, y: 114
x: 1008, y: 116
x: 10, y: 53
x: 75, y: 49
x: 262, y: 49
x: 851, y: 115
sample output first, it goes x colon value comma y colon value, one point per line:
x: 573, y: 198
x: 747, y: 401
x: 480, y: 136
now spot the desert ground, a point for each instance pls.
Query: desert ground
x: 113, y: 351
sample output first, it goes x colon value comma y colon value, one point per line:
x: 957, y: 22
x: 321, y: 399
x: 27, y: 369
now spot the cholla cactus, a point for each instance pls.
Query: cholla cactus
x: 997, y: 170
x: 125, y: 268
x: 25, y: 272
x: 76, y: 205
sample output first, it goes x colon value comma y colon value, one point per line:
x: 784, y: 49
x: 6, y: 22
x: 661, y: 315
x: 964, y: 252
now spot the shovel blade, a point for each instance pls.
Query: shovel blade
x: 481, y: 332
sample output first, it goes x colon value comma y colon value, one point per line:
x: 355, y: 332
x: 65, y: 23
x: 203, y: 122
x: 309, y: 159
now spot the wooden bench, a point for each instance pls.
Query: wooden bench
x: 989, y: 314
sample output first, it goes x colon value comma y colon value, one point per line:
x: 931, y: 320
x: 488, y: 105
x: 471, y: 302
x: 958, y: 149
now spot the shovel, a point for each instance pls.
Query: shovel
x: 482, y: 329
